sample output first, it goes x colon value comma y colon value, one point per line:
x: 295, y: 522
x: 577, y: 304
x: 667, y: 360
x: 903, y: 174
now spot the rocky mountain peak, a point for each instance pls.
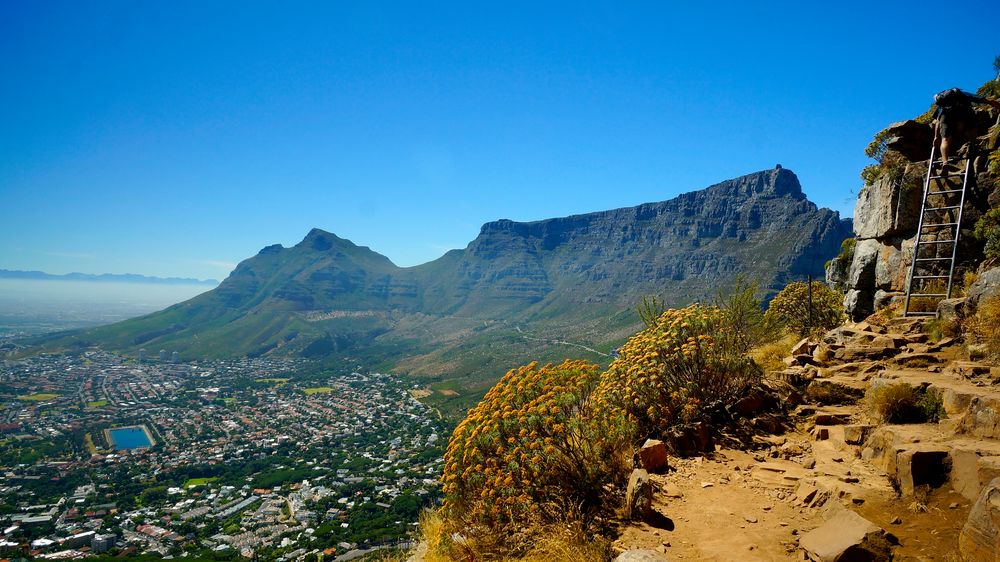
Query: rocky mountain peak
x: 321, y: 240
x: 776, y: 182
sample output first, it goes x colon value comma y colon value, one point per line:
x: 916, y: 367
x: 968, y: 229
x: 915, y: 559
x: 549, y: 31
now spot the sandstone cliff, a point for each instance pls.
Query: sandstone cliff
x: 887, y: 212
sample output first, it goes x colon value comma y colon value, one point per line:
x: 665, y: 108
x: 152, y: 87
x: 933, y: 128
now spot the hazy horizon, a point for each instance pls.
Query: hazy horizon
x: 39, y: 306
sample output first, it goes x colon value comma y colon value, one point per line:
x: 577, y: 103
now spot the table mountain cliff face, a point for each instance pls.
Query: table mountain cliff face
x: 518, y: 291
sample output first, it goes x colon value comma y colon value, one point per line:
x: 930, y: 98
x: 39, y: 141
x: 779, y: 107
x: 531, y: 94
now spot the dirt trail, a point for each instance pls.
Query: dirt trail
x: 744, y: 506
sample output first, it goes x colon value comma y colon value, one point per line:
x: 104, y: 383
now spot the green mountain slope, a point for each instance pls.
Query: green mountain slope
x: 539, y: 290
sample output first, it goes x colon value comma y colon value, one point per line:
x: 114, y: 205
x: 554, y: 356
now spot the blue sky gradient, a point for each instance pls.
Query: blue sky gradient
x: 177, y: 138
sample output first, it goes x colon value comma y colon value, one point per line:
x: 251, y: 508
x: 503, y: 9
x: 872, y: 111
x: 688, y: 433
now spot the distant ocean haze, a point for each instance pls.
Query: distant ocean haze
x: 37, y: 306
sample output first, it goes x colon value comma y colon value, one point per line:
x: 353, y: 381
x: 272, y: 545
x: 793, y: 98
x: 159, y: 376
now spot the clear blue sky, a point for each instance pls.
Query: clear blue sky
x: 177, y: 138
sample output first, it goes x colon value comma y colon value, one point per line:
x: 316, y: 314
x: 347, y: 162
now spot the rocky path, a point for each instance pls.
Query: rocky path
x: 841, y: 480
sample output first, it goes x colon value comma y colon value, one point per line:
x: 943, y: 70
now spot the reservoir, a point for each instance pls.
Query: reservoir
x: 134, y: 437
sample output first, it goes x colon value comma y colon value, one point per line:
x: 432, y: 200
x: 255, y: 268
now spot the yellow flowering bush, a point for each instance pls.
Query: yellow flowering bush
x: 792, y: 307
x: 533, y: 451
x: 668, y: 373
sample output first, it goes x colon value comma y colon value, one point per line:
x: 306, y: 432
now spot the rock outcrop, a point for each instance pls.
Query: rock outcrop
x: 980, y: 538
x: 887, y: 214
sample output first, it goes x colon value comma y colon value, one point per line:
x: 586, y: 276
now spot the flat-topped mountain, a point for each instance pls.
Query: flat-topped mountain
x: 544, y: 289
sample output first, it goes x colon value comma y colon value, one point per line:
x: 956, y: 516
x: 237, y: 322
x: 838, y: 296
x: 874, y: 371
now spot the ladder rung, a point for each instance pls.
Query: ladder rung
x: 942, y: 208
x: 928, y: 295
x: 936, y: 242
x: 932, y: 259
x: 944, y: 192
x: 956, y: 175
x: 931, y: 276
x: 915, y: 313
x: 941, y: 224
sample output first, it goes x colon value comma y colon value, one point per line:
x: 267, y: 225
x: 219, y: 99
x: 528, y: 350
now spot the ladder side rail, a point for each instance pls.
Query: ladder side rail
x: 958, y: 225
x: 920, y: 228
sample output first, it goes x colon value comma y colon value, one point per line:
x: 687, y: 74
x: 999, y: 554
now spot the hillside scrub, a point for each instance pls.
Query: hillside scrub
x: 674, y: 371
x: 550, y: 447
x: 743, y: 311
x: 803, y: 311
x: 534, y: 452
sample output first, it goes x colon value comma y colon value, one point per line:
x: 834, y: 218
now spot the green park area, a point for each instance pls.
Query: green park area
x: 97, y: 404
x: 192, y: 482
x: 38, y: 397
x: 272, y: 380
x: 318, y: 390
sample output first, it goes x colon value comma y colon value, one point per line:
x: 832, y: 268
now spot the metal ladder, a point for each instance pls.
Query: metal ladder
x: 927, y: 272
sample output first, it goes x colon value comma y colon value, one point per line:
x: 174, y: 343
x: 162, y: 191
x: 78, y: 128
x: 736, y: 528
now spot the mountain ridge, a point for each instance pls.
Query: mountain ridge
x: 518, y: 291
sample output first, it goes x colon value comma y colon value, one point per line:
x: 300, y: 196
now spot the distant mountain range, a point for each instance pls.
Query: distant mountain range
x: 105, y: 278
x: 545, y: 290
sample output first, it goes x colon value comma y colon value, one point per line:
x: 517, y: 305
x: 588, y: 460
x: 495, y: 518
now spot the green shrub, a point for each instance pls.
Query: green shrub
x: 669, y: 372
x: 987, y: 229
x: 649, y: 309
x: 803, y: 310
x: 939, y: 328
x: 533, y: 453
x: 902, y: 403
x: 842, y: 263
x: 743, y: 311
x: 931, y: 405
x: 991, y: 89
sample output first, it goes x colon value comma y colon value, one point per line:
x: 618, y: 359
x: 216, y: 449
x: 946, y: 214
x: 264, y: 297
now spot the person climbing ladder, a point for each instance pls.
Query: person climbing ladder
x: 953, y: 120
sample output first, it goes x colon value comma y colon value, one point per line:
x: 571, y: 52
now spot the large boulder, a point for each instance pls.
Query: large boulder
x: 846, y: 537
x: 883, y: 299
x: 986, y: 286
x: 859, y: 304
x: 861, y: 276
x: 892, y: 267
x: 911, y: 139
x: 980, y: 538
x: 951, y: 309
x: 639, y: 496
x: 889, y: 207
x: 653, y: 455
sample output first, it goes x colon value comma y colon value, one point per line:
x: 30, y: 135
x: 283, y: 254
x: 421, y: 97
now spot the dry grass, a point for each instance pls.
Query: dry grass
x: 557, y: 543
x: 902, y: 403
x: 929, y: 304
x: 771, y: 356
x: 827, y: 394
x: 892, y: 403
x: 882, y: 316
x: 939, y: 328
x: 984, y: 327
x: 433, y: 538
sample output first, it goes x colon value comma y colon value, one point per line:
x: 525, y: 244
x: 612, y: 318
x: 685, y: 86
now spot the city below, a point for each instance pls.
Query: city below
x: 266, y: 458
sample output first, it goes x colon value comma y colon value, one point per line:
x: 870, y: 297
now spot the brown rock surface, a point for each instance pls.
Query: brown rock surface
x: 980, y: 538
x: 653, y: 455
x: 846, y: 537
